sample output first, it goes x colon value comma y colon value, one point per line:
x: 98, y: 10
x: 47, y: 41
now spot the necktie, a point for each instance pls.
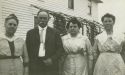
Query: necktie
x: 41, y: 49
x: 41, y: 35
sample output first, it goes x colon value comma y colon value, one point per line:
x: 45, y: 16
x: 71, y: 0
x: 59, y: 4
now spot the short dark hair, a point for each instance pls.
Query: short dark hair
x: 74, y: 21
x: 12, y: 16
x: 42, y: 11
x: 108, y: 15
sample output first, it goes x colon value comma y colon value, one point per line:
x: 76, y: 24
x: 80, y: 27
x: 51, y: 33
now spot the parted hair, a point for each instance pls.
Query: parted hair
x: 109, y: 16
x: 12, y: 16
x: 43, y: 11
x: 74, y: 21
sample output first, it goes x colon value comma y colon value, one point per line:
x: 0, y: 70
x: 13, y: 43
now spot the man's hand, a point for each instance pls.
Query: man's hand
x: 48, y: 61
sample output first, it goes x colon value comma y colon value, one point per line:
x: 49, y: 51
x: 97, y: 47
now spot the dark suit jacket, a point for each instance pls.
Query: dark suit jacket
x: 53, y: 47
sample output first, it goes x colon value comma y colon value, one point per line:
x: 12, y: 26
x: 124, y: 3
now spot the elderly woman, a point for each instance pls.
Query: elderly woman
x: 12, y: 50
x: 109, y: 46
x: 78, y: 50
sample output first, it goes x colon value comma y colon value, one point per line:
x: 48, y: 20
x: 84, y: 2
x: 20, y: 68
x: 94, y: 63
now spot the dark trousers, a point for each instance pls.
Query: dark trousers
x: 39, y: 68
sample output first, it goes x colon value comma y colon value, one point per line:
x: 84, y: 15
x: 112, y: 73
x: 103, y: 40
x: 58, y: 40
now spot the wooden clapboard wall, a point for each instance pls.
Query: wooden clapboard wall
x: 25, y: 12
x: 21, y: 9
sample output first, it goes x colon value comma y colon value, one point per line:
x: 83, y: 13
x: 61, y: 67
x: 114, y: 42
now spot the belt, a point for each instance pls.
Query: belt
x: 110, y: 52
x: 73, y: 55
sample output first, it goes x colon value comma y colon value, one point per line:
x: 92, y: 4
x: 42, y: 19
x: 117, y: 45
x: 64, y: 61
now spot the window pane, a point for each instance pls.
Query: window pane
x: 71, y: 4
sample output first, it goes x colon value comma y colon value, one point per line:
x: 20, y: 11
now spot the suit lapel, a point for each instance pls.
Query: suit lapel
x: 36, y: 39
x: 48, y: 35
x: 36, y: 35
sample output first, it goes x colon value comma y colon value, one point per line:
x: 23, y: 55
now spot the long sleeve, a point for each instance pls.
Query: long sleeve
x: 25, y: 54
x: 123, y: 50
x: 28, y: 42
x: 89, y: 49
x: 60, y: 49
x: 90, y: 56
x: 25, y: 60
x: 96, y: 50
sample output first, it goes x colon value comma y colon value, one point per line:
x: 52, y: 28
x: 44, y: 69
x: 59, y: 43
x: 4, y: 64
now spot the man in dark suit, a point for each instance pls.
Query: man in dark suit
x: 44, y: 47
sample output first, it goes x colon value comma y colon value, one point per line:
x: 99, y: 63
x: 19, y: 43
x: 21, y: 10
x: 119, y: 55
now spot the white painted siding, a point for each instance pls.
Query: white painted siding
x: 21, y: 9
x: 80, y: 7
x: 1, y: 27
x: 95, y: 11
x: 26, y: 13
x: 0, y: 12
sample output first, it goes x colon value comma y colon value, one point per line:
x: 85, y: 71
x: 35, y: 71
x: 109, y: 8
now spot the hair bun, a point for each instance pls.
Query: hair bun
x: 12, y: 16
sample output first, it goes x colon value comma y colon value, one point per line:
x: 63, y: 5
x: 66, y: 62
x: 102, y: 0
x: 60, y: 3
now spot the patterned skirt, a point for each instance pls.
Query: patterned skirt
x: 109, y: 64
x: 75, y: 65
x: 11, y: 67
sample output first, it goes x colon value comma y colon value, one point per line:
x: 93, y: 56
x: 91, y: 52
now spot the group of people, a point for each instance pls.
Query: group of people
x: 44, y: 50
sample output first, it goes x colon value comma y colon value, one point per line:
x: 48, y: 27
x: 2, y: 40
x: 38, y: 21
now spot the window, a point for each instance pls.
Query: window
x: 90, y: 7
x: 71, y: 4
x: 90, y: 10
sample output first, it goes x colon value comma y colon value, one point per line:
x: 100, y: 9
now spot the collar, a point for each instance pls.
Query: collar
x: 103, y: 37
x: 9, y: 39
x: 40, y: 28
x: 79, y: 35
x: 106, y: 36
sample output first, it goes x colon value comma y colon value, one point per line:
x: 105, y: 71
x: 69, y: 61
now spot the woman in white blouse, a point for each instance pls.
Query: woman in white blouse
x: 78, y: 50
x: 109, y: 46
x: 12, y: 49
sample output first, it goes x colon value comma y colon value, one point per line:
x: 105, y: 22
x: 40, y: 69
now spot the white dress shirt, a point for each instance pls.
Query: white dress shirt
x: 42, y: 46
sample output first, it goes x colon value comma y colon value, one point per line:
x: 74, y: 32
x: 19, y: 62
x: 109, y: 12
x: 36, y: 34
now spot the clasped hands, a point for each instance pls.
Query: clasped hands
x: 82, y: 51
x: 48, y: 61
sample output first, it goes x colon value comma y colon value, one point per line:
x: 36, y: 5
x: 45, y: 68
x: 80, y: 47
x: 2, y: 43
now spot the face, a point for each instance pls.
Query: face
x: 73, y: 29
x: 108, y: 23
x: 43, y: 19
x: 11, y: 26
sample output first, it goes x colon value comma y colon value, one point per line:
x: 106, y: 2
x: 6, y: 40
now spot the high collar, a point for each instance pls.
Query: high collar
x: 9, y: 39
x: 119, y: 37
x: 77, y: 36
